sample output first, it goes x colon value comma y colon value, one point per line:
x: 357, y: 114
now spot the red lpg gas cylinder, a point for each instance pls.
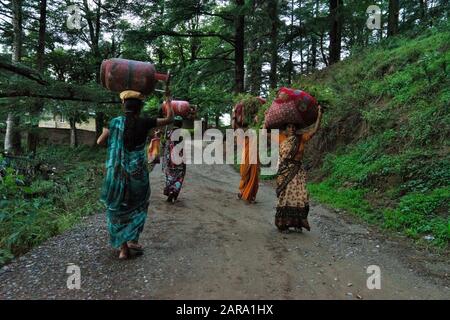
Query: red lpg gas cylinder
x: 119, y: 75
x: 180, y: 108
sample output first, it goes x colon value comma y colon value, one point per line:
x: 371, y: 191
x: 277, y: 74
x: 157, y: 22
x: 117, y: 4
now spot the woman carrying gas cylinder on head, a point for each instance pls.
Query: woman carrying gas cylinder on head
x: 126, y: 188
x: 174, y: 169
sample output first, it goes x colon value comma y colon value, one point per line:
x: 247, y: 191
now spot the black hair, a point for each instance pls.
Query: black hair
x: 178, y: 123
x: 133, y: 109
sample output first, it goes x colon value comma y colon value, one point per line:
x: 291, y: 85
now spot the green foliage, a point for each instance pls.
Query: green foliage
x: 351, y: 199
x: 152, y: 106
x: 31, y: 214
x: 400, y: 90
x: 252, y: 106
x: 416, y: 215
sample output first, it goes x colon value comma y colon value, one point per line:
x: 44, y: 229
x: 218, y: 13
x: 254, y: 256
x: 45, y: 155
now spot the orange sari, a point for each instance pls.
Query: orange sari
x: 248, y: 187
x: 153, y: 151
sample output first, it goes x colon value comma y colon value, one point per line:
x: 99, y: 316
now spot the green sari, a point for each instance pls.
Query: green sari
x: 126, y: 188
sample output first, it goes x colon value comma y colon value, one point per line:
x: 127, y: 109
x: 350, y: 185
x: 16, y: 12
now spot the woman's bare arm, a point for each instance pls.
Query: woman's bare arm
x: 103, y: 137
x: 317, y: 124
x: 167, y: 120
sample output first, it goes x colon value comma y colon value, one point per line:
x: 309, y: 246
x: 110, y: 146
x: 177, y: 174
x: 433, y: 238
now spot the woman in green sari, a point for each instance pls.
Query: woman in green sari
x: 126, y: 189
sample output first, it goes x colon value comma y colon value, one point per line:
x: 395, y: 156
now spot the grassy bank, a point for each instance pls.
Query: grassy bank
x: 47, y: 206
x: 385, y: 139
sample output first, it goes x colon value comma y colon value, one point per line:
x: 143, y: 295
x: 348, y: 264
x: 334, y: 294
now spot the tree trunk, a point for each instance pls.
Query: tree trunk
x: 254, y: 68
x: 291, y: 46
x: 33, y: 137
x: 335, y: 30
x: 302, y: 65
x: 13, y: 142
x: 217, y: 120
x: 206, y: 122
x: 17, y: 28
x: 313, y: 52
x: 394, y: 10
x: 423, y: 11
x: 314, y: 41
x: 99, y: 123
x: 73, y: 133
x: 42, y: 30
x: 322, y: 51
x: 94, y: 27
x: 239, y: 24
x: 254, y: 60
x: 273, y: 14
x: 12, y: 137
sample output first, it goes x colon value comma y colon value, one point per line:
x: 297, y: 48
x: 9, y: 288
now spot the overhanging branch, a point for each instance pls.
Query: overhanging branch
x: 69, y: 96
x: 23, y: 71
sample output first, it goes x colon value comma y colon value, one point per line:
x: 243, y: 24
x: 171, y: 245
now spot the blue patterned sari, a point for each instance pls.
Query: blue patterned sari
x: 174, y: 172
x: 126, y: 188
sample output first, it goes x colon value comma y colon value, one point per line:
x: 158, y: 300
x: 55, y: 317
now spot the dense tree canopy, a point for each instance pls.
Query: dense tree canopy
x: 214, y: 49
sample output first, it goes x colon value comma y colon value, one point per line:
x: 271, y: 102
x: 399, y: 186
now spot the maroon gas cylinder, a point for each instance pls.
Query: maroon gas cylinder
x: 180, y: 108
x: 119, y: 75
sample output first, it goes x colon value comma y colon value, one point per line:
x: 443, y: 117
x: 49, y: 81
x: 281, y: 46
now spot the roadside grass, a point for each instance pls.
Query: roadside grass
x: 31, y: 214
x: 394, y: 171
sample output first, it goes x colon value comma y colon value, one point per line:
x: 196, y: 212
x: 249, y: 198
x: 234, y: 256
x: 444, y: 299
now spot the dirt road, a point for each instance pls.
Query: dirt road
x: 210, y: 245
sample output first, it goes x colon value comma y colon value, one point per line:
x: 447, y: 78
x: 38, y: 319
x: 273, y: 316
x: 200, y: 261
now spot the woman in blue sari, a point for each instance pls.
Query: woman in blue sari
x: 126, y: 188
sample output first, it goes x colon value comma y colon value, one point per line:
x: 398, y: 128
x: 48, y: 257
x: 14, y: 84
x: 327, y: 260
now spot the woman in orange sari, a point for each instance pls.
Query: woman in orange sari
x: 153, y: 151
x: 248, y: 186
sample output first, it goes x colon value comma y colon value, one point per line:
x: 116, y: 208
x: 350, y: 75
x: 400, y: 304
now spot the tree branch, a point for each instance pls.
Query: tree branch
x: 23, y: 71
x: 70, y: 96
x: 224, y: 17
x: 171, y: 33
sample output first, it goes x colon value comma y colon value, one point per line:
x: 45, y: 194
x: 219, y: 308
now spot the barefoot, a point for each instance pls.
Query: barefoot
x: 124, y: 252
